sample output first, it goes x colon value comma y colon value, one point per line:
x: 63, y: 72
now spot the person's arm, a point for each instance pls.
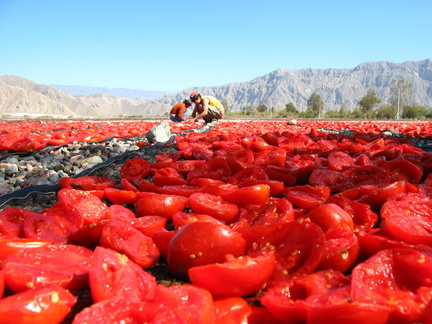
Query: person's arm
x: 204, y: 103
x: 181, y: 112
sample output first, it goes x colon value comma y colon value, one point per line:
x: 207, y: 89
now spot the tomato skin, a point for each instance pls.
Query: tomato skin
x: 201, y: 243
x: 9, y: 246
x: 231, y: 310
x: 47, y: 305
x: 257, y: 195
x: 236, y: 277
x: 11, y: 221
x: 160, y: 205
x: 135, y: 168
x: 307, y: 197
x: 122, y: 237
x: 214, y: 206
x: 121, y: 197
x: 168, y: 177
x: 341, y: 250
x: 330, y: 216
x: 92, y: 183
x: 113, y: 275
x: 62, y: 264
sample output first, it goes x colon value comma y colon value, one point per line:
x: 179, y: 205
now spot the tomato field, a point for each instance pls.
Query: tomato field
x: 248, y: 222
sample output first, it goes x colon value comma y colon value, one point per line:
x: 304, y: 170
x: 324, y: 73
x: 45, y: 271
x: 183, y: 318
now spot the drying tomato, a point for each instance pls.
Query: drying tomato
x: 338, y: 161
x: 45, y: 227
x: 299, y: 248
x: 119, y: 196
x: 9, y: 246
x: 62, y: 264
x: 122, y: 237
x: 200, y: 243
x: 47, y: 305
x: 407, y: 217
x: 179, y: 190
x: 239, y: 277
x: 231, y: 310
x: 364, y: 175
x: 135, y: 168
x: 160, y: 205
x: 214, y: 206
x: 330, y: 216
x: 325, y: 177
x: 394, y: 285
x: 341, y: 250
x: 113, y: 275
x: 168, y: 177
x: 307, y: 197
x: 148, y: 225
x: 91, y: 183
x: 253, y: 195
x: 403, y: 170
x: 11, y: 221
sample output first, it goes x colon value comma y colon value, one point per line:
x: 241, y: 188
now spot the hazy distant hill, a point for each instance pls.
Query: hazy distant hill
x: 276, y: 89
x: 117, y: 92
x: 335, y: 86
x: 19, y: 95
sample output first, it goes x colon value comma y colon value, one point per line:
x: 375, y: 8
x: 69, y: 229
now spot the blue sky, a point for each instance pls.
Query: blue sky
x: 172, y: 45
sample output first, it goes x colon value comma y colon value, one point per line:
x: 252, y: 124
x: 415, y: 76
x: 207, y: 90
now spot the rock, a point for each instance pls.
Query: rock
x: 11, y: 169
x: 159, y: 133
x: 292, y: 122
x: 94, y: 160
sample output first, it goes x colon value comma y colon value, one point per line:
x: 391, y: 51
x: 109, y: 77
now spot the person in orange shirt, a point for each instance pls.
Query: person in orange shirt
x: 178, y: 110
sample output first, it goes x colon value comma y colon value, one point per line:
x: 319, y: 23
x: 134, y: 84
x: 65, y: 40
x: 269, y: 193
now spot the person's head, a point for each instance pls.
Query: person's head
x: 187, y: 102
x: 195, y: 97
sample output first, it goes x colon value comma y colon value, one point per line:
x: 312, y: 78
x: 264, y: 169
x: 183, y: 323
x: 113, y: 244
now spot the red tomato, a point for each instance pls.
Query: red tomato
x: 386, y: 279
x: 364, y: 175
x: 121, y: 197
x: 403, y: 170
x: 9, y: 246
x: 214, y: 206
x: 148, y: 225
x: 45, y: 227
x: 168, y: 177
x: 341, y: 250
x: 89, y: 235
x: 135, y: 168
x: 328, y: 178
x: 408, y: 217
x: 275, y: 157
x: 47, y: 305
x: 124, y: 238
x: 160, y: 205
x: 82, y: 204
x: 307, y: 197
x: 330, y: 216
x: 201, y: 243
x: 180, y: 190
x: 161, y: 239
x: 92, y: 183
x: 231, y: 310
x: 239, y: 277
x: 338, y: 161
x: 216, y: 168
x: 113, y: 275
x: 62, y: 264
x: 254, y: 195
x: 127, y: 185
x: 299, y: 248
x: 11, y: 221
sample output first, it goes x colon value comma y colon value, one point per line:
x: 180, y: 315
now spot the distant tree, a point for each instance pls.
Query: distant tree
x: 387, y: 111
x: 344, y: 112
x: 400, y: 95
x: 358, y: 113
x: 315, y: 104
x: 307, y: 114
x: 291, y: 109
x: 226, y: 106
x: 416, y: 112
x: 262, y: 108
x: 368, y: 102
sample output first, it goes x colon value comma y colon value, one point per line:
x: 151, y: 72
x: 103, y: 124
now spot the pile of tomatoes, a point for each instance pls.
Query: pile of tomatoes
x: 257, y: 222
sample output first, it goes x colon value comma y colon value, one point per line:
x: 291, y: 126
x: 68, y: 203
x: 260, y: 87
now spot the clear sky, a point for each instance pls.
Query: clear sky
x: 172, y: 45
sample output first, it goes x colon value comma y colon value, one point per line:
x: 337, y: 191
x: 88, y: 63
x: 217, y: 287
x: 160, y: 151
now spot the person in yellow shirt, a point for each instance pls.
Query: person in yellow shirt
x: 206, y: 107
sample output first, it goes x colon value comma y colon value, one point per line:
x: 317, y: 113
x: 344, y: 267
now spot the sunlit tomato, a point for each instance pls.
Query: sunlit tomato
x: 394, y: 285
x: 124, y: 238
x: 92, y: 183
x: 214, y: 206
x: 11, y: 221
x: 201, y: 243
x: 364, y: 175
x: 160, y: 205
x: 307, y: 197
x: 275, y: 157
x: 337, y: 161
x: 113, y: 275
x: 9, y: 246
x: 240, y: 276
x: 329, y: 216
x: 135, y: 168
x: 298, y: 246
x: 119, y: 196
x: 341, y: 250
x: 148, y: 225
x: 403, y: 170
x: 231, y: 310
x: 254, y: 195
x: 47, y: 305
x: 62, y: 264
x: 168, y: 177
x: 326, y: 177
x: 45, y: 227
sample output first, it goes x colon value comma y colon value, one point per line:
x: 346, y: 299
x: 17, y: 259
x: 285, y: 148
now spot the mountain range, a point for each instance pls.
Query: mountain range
x: 336, y: 87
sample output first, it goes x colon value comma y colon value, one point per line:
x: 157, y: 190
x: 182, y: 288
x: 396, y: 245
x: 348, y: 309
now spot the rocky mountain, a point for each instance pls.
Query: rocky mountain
x: 335, y: 86
x: 22, y: 96
x: 276, y: 89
